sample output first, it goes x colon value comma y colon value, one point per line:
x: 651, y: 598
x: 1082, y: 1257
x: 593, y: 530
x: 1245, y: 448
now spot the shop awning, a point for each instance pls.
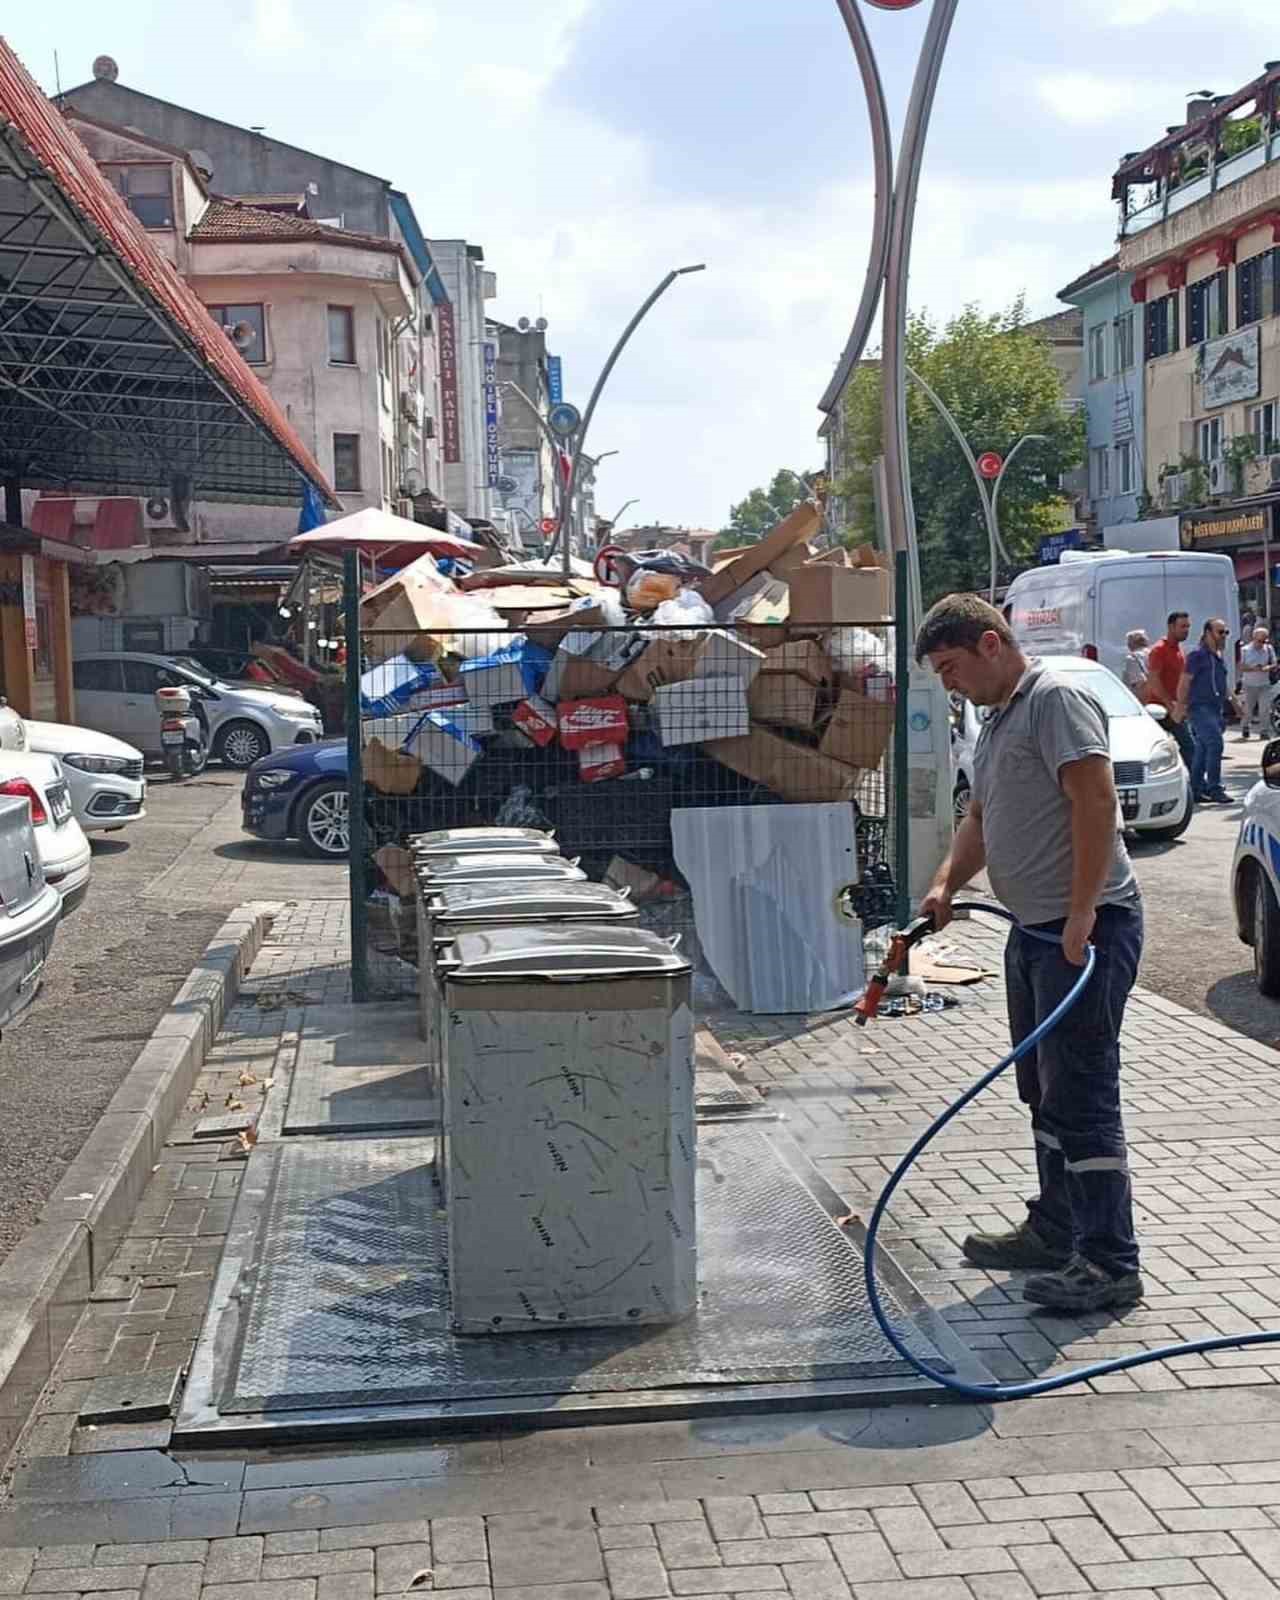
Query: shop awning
x: 113, y: 377
x: 382, y: 534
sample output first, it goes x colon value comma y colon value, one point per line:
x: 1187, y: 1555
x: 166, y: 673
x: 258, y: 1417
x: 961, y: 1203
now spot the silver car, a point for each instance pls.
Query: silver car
x: 29, y: 912
x: 115, y: 694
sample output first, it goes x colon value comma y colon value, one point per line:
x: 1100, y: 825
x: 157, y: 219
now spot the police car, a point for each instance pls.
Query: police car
x: 1255, y: 874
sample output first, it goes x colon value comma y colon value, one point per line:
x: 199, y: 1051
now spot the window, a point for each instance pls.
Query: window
x: 346, y: 463
x: 1262, y: 425
x: 342, y: 336
x: 146, y: 190
x: 1258, y: 288
x: 1097, y: 353
x: 1207, y: 308
x: 247, y: 328
x: 1124, y: 467
x: 1100, y: 472
x: 1209, y: 439
x: 1162, y: 326
x: 144, y: 636
x: 144, y: 677
x: 98, y: 675
x: 1123, y: 326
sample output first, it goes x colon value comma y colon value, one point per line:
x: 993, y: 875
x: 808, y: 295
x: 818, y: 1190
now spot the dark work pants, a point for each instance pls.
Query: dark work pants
x: 1206, y: 725
x: 1185, y: 741
x: 1071, y: 1082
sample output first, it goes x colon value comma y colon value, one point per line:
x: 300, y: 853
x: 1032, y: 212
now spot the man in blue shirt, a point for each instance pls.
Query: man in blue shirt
x: 1203, y: 695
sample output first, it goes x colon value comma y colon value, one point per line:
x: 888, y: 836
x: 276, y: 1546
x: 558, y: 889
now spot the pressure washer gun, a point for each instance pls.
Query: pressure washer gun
x: 894, y: 956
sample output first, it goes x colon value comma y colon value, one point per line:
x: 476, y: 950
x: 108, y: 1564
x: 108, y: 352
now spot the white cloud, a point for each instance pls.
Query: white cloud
x: 1094, y: 99
x: 1137, y: 13
x: 275, y: 26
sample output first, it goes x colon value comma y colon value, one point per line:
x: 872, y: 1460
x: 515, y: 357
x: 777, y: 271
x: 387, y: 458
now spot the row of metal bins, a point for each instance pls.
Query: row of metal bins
x: 562, y: 1036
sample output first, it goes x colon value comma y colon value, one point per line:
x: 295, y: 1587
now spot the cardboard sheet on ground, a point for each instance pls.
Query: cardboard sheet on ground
x: 766, y: 884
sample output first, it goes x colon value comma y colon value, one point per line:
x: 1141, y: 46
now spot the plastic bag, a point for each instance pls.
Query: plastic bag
x: 859, y: 653
x: 687, y: 610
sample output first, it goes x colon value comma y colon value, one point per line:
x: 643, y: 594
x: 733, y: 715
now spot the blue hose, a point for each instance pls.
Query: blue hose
x: 1097, y: 1369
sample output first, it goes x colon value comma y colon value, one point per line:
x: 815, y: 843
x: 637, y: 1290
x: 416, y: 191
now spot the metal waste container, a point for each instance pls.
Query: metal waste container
x: 433, y: 872
x: 465, y: 907
x: 568, y: 1128
x: 487, y: 840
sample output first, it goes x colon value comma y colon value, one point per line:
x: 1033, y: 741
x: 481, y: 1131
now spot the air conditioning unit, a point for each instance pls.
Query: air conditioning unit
x: 404, y: 508
x: 1171, y: 490
x: 1219, y: 482
x: 411, y: 406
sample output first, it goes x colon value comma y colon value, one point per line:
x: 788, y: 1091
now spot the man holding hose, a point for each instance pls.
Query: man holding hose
x: 1045, y: 823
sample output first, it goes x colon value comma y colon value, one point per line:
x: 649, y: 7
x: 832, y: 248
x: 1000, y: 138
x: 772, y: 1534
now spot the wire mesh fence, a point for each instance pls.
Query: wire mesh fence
x: 600, y: 734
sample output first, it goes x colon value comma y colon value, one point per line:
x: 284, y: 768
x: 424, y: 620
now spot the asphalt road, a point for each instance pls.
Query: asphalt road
x: 116, y: 964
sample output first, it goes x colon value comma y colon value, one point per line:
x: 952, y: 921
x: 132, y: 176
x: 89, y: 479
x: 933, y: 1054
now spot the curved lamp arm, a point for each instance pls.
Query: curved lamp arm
x: 995, y: 492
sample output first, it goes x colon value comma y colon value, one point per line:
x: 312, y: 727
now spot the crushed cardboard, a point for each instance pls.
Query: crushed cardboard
x: 791, y: 771
x: 799, y: 525
x: 859, y: 731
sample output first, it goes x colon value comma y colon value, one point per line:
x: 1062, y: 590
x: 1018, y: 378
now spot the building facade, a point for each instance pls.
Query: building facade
x: 1113, y: 393
x: 468, y: 379
x: 1200, y: 237
x: 527, y: 490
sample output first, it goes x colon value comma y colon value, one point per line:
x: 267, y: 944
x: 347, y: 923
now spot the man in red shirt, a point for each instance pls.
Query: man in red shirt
x: 1165, y: 666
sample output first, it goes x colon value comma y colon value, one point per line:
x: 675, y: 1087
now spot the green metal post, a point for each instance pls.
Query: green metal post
x: 902, y: 683
x: 358, y: 886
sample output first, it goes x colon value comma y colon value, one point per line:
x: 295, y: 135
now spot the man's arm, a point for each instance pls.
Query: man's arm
x: 964, y: 861
x: 1091, y: 794
x: 1184, y: 689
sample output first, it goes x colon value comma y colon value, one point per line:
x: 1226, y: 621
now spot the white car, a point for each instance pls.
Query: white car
x: 63, y: 849
x: 13, y: 730
x: 1255, y: 874
x: 32, y: 910
x: 103, y: 774
x: 1151, y: 781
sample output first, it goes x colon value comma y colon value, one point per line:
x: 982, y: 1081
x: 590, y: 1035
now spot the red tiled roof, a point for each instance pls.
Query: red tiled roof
x: 231, y: 221
x: 51, y: 142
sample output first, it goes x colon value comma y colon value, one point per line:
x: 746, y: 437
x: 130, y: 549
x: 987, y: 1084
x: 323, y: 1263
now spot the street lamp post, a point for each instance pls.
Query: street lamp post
x: 579, y: 437
x: 1026, y: 438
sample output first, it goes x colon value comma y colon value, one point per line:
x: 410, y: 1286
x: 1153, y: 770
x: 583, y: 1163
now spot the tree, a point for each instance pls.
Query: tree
x: 999, y: 382
x: 762, y: 510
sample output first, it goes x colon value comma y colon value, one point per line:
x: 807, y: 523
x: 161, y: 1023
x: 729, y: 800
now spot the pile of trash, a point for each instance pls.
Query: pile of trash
x: 512, y: 694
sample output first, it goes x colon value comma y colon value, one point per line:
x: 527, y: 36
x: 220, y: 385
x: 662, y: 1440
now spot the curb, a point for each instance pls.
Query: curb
x: 48, y: 1278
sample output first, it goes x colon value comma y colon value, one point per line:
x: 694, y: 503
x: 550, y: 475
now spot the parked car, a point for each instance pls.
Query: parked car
x: 1151, y: 781
x: 29, y: 912
x: 63, y: 850
x: 1255, y: 874
x: 13, y: 730
x: 300, y: 794
x: 115, y: 694
x: 103, y: 774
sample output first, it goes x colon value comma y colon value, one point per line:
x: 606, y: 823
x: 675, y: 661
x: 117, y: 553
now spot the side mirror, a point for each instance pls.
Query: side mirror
x: 1158, y: 712
x: 1271, y: 764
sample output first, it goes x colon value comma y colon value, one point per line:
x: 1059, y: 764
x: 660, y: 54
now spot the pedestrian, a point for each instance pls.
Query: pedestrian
x: 1257, y: 663
x: 1134, y: 669
x: 1165, y: 667
x: 1044, y: 821
x: 1203, y: 695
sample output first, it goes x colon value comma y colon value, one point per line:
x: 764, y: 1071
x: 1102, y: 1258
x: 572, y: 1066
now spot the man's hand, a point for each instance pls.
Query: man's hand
x: 1075, y: 935
x: 937, y: 904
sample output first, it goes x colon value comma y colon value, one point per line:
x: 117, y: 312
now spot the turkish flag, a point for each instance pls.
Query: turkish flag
x: 566, y: 466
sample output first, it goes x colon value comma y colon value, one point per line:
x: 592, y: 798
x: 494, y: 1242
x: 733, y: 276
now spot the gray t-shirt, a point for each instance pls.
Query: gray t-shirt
x: 1256, y: 662
x: 1026, y: 816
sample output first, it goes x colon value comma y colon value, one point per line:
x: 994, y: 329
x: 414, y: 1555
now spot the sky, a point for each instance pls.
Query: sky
x: 591, y: 145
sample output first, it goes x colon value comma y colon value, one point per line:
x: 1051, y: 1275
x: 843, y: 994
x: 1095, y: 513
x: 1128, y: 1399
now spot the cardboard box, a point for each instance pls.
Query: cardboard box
x: 589, y: 664
x: 830, y: 595
x: 599, y: 721
x: 786, y: 698
x: 536, y: 719
x: 396, y: 866
x: 794, y: 529
x: 392, y: 687
x: 859, y: 731
x: 597, y: 761
x: 790, y: 559
x: 440, y: 743
x: 664, y: 660
x: 548, y: 630
x: 791, y: 771
x: 506, y: 675
x: 762, y: 599
x: 700, y: 710
x: 725, y: 655
x: 389, y: 770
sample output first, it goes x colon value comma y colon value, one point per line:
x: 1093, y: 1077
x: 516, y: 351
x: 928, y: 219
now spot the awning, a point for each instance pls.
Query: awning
x: 1250, y: 564
x: 383, y: 534
x: 116, y: 524
x: 113, y: 376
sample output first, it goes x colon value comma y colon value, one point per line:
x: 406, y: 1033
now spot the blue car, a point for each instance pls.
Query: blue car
x: 301, y: 794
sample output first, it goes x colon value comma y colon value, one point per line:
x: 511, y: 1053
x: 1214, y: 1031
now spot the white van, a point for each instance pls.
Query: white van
x: 1087, y: 604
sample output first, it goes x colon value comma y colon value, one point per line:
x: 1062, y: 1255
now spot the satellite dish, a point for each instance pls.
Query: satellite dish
x: 105, y: 69
x: 242, y: 334
x: 157, y: 507
x: 523, y: 324
x: 541, y: 324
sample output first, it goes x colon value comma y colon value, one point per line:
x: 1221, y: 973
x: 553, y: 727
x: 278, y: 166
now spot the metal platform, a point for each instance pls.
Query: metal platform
x: 331, y: 1314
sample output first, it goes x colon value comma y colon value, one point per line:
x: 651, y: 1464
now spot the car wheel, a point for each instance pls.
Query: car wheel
x: 323, y: 822
x: 1178, y: 828
x: 1266, y: 937
x: 960, y: 797
x: 1274, y: 717
x: 240, y: 744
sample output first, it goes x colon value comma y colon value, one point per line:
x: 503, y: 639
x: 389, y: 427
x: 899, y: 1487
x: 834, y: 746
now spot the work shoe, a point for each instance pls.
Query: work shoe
x: 1020, y: 1249
x: 1219, y: 797
x: 1080, y: 1286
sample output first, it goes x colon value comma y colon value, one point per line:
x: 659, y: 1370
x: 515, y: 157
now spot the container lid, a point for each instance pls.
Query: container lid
x: 437, y: 870
x: 560, y: 953
x: 460, y: 841
x: 529, y: 900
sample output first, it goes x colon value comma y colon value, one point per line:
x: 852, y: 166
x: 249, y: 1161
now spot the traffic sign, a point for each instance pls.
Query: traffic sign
x: 548, y: 525
x: 989, y: 464
x: 564, y: 419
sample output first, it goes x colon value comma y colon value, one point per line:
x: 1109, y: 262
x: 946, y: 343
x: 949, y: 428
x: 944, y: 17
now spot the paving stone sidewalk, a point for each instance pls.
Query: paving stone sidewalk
x: 1163, y: 1483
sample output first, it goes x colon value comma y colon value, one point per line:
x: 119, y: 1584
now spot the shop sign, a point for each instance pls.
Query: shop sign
x: 1229, y: 368
x: 1230, y: 527
x: 449, y: 423
x: 493, y: 454
x: 29, y: 600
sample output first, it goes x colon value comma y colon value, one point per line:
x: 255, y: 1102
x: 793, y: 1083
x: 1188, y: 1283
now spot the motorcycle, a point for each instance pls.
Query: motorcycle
x: 184, y: 737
